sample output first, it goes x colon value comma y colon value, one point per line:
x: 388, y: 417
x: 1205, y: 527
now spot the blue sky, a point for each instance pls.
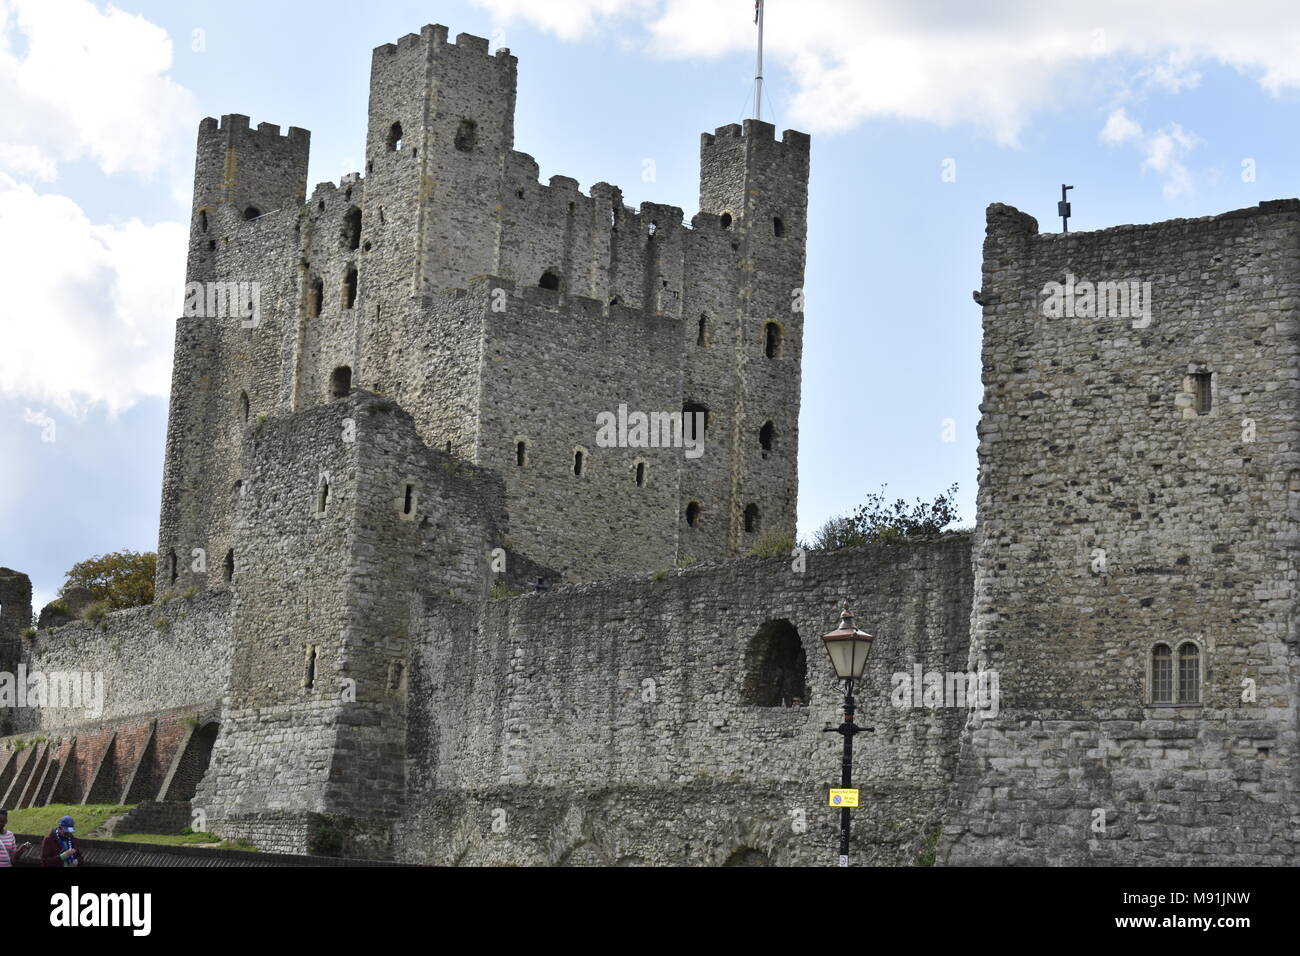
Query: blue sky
x: 1154, y: 111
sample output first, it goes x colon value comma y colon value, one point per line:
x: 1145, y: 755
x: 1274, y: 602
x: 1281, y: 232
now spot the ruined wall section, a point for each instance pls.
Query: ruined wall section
x: 322, y: 337
x: 152, y: 658
x: 608, y: 721
x: 1091, y: 441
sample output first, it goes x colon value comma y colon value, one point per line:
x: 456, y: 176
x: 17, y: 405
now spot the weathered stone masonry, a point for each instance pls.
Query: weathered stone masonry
x: 364, y: 284
x: 363, y: 485
x: 1090, y: 441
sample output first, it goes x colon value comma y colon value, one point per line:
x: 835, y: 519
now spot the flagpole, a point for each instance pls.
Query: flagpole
x: 758, y: 73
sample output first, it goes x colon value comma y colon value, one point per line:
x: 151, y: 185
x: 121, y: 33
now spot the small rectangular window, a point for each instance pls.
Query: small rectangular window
x: 409, y: 502
x: 309, y: 668
x: 1204, y: 392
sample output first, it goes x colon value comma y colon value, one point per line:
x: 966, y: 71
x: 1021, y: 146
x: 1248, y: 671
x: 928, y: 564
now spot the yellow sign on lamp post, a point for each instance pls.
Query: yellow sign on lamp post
x: 844, y: 798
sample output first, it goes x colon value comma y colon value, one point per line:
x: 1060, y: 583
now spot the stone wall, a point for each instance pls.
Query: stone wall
x: 107, y: 761
x: 607, y: 722
x: 151, y: 658
x: 551, y: 371
x: 1118, y: 510
x: 348, y: 524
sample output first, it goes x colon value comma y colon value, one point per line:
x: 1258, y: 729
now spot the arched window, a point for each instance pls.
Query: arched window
x: 771, y: 340
x: 243, y: 407
x: 341, y: 382
x: 252, y: 212
x: 776, y: 668
x: 550, y: 281
x: 395, y: 137
x: 230, y: 566
x: 693, y: 514
x: 751, y: 518
x: 352, y: 228
x: 1162, y: 674
x: 350, y: 287
x: 1189, y: 673
x: 702, y: 337
x: 521, y: 453
x: 315, y: 297
x: 767, y: 436
x: 466, y: 135
x: 726, y: 220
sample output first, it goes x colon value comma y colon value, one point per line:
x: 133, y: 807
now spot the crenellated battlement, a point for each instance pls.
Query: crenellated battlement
x: 236, y: 124
x: 757, y: 132
x: 435, y: 36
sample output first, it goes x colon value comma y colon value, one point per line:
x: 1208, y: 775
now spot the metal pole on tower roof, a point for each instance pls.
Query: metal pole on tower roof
x: 758, y: 73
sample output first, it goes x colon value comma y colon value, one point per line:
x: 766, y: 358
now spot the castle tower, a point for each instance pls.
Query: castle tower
x: 1136, y: 561
x: 757, y: 187
x: 248, y: 189
x: 505, y: 315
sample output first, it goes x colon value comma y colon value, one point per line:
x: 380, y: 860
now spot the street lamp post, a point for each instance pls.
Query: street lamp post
x: 848, y: 648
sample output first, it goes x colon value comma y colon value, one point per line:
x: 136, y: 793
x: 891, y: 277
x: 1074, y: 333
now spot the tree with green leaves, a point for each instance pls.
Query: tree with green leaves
x: 120, y: 580
x: 878, y: 520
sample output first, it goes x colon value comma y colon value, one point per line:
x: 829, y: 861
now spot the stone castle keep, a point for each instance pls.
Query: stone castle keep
x: 417, y: 611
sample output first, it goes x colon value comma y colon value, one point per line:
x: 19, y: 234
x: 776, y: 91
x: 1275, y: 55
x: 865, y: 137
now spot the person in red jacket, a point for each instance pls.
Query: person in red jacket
x: 59, y: 848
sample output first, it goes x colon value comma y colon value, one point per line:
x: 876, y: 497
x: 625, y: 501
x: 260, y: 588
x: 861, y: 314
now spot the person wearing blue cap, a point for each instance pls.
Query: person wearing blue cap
x: 59, y: 848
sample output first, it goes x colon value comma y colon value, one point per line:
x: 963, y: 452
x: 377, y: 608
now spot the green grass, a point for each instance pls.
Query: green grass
x: 40, y: 820
x: 87, y: 817
x: 167, y: 839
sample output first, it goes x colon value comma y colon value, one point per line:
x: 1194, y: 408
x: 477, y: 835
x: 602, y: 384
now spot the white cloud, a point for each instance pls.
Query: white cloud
x: 952, y: 61
x: 88, y: 311
x: 1163, y: 151
x: 1119, y: 128
x: 568, y: 19
x: 78, y: 83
